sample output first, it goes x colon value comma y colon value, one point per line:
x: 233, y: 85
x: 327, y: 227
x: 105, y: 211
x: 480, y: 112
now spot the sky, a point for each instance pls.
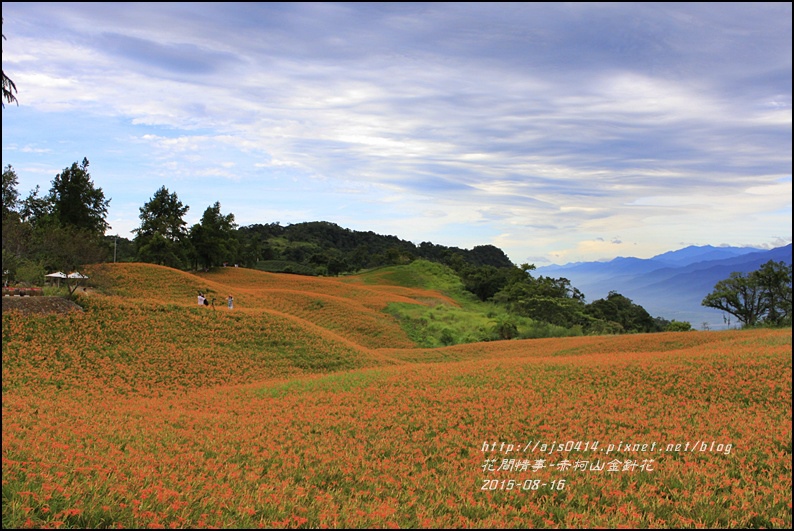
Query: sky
x: 559, y: 132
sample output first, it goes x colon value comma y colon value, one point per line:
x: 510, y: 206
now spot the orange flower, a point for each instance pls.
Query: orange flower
x: 304, y: 408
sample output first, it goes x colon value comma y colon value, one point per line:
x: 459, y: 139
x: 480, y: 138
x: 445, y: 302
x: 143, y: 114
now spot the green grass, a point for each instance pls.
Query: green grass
x: 421, y: 274
x: 444, y: 324
x: 334, y: 382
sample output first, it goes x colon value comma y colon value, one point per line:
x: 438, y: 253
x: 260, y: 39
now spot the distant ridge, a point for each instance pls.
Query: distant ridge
x: 670, y: 285
x: 694, y: 253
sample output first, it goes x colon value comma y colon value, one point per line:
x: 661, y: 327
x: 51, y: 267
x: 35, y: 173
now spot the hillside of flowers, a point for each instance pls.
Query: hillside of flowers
x: 306, y: 406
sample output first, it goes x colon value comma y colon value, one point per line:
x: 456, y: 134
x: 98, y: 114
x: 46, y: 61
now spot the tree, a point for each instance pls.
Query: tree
x: 213, y: 239
x: 14, y: 231
x: 678, y: 326
x: 10, y: 193
x: 488, y: 255
x: 35, y: 209
x: 66, y: 248
x: 739, y: 295
x: 8, y: 87
x: 504, y: 327
x: 76, y: 202
x: 762, y: 296
x: 157, y: 249
x: 162, y: 236
x: 119, y: 248
x: 60, y: 231
x: 546, y: 299
x: 484, y: 281
x: 617, y: 308
x: 774, y: 278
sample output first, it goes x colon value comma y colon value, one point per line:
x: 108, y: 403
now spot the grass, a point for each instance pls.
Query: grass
x: 336, y: 382
x: 462, y: 318
x: 419, y: 274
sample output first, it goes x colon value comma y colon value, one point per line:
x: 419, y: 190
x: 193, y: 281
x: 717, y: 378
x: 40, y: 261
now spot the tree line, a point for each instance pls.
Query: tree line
x: 66, y: 228
x: 56, y: 231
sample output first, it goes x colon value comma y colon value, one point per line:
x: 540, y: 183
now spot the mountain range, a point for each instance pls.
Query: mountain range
x: 670, y: 285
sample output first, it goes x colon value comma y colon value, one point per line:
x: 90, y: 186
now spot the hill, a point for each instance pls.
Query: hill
x: 324, y: 248
x: 278, y: 326
x: 671, y: 284
x: 308, y: 406
x: 418, y: 304
x: 466, y: 320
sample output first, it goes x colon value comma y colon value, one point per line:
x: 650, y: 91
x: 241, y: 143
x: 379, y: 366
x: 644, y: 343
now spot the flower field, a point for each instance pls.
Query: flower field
x: 307, y: 406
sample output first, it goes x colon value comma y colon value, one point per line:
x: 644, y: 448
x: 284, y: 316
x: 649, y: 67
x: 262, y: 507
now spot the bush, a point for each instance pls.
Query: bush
x: 30, y: 272
x: 678, y: 326
x: 446, y: 337
x: 505, y: 328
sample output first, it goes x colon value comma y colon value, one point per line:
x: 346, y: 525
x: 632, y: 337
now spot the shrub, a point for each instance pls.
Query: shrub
x: 678, y: 326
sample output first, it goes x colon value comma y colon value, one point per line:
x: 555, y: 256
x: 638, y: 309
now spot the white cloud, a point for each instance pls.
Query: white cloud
x: 543, y: 127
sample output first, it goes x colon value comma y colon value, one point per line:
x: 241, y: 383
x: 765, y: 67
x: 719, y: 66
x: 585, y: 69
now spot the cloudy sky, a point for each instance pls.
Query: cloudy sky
x: 558, y: 132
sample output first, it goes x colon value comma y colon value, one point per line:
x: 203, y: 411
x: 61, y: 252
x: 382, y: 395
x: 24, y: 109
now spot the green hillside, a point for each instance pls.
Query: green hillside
x: 468, y: 320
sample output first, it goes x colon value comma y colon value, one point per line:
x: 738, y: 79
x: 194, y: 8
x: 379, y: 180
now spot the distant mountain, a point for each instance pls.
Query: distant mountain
x: 692, y: 254
x: 670, y: 285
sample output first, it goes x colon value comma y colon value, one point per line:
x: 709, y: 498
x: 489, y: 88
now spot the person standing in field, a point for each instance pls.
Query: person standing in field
x: 231, y: 302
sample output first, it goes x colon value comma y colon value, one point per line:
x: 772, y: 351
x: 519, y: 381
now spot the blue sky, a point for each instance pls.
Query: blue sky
x: 559, y: 132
